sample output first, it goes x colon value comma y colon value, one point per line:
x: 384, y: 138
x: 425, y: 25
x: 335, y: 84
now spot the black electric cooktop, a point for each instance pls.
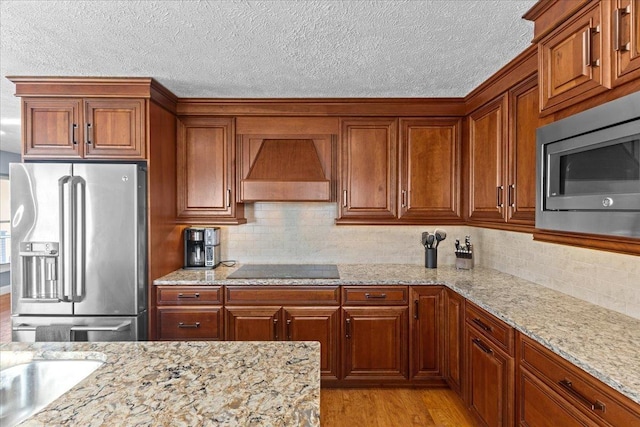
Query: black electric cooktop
x: 286, y: 271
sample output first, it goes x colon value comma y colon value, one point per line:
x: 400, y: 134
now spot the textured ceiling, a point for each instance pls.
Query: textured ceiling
x: 257, y: 49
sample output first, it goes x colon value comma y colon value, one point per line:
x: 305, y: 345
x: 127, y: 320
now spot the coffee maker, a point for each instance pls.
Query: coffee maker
x: 201, y: 248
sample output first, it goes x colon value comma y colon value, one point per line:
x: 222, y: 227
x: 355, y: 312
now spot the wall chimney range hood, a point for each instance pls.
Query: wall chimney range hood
x: 286, y: 168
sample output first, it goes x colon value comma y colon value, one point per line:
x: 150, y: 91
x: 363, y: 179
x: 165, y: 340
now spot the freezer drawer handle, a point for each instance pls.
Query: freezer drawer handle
x: 124, y: 326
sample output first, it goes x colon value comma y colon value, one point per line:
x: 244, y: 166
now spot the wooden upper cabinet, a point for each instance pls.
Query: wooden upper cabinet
x: 74, y: 128
x: 574, y: 59
x: 52, y: 128
x: 368, y: 160
x: 625, y: 39
x: 521, y: 180
x: 206, y: 171
x: 487, y: 130
x: 114, y: 128
x: 429, y: 169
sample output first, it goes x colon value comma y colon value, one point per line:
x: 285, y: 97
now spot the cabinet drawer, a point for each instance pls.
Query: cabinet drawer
x: 594, y: 398
x: 185, y: 323
x: 189, y: 295
x: 375, y: 295
x: 282, y: 295
x: 491, y: 327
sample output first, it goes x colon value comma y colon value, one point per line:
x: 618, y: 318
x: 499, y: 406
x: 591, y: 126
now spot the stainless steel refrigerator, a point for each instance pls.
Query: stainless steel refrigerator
x: 78, y: 251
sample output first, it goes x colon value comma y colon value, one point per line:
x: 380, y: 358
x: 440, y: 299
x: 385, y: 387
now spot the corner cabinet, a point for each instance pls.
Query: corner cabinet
x: 206, y: 172
x: 502, y: 158
x: 489, y: 368
x: 84, y: 128
x: 426, y: 355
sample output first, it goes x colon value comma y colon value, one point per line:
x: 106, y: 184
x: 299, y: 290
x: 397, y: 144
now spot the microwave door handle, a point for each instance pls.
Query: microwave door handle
x: 65, y: 276
x: 79, y: 231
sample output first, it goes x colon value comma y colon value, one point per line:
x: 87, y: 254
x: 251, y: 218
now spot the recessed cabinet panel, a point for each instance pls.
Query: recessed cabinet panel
x: 52, y: 128
x: 206, y: 171
x: 368, y: 149
x: 626, y: 39
x: 487, y: 145
x: 426, y: 358
x: 190, y: 323
x: 253, y: 323
x: 429, y: 168
x: 114, y: 128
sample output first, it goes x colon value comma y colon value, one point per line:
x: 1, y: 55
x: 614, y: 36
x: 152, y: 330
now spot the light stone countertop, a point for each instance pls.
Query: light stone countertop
x: 602, y: 342
x: 183, y: 383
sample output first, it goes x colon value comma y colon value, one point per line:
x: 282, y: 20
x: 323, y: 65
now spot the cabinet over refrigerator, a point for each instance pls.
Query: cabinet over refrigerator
x: 78, y: 251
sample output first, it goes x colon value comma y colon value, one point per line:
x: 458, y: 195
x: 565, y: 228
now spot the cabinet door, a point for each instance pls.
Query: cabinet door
x: 625, y: 39
x: 574, y: 60
x: 253, y: 323
x: 189, y: 323
x: 540, y: 406
x: 114, y: 128
x: 489, y: 381
x: 426, y: 348
x: 316, y: 324
x: 486, y: 156
x: 368, y: 150
x: 52, y: 128
x: 523, y: 122
x: 205, y: 178
x: 429, y: 169
x: 454, y: 339
x: 375, y: 343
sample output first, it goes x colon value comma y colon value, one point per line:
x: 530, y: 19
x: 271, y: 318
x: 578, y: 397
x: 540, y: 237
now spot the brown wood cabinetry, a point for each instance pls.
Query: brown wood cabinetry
x: 453, y: 331
x: 489, y: 368
x: 189, y: 313
x: 310, y: 314
x: 429, y: 169
x: 551, y: 391
x: 625, y: 39
x: 206, y: 172
x: 368, y: 158
x: 374, y: 333
x: 413, y: 179
x: 574, y: 59
x: 502, y: 158
x: 426, y: 357
x: 76, y: 128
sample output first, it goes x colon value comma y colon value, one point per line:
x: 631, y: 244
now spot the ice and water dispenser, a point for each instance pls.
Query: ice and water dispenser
x: 40, y: 271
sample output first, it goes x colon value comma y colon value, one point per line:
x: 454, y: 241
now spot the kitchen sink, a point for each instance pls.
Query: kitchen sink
x: 27, y: 388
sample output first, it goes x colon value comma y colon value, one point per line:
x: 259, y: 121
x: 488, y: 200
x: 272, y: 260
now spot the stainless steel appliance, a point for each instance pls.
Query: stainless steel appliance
x: 201, y: 247
x: 79, y: 251
x: 588, y: 171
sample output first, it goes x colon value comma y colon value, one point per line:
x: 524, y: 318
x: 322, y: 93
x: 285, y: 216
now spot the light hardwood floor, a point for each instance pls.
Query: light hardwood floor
x: 374, y: 407
x: 384, y: 407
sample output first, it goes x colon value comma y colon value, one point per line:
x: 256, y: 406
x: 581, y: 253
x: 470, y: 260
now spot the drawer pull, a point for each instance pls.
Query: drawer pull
x: 374, y: 296
x: 189, y: 325
x: 481, y: 346
x: 195, y: 295
x: 568, y: 386
x: 482, y: 325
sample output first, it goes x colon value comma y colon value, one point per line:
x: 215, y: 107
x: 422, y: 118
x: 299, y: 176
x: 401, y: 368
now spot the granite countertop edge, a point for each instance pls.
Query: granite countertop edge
x: 547, y: 316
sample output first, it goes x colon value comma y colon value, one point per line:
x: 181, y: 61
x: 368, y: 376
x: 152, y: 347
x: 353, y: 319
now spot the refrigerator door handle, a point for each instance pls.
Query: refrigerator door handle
x: 79, y: 234
x: 124, y: 326
x: 66, y: 276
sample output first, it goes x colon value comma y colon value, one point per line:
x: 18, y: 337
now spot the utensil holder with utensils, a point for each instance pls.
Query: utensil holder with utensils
x: 430, y: 243
x: 464, y: 254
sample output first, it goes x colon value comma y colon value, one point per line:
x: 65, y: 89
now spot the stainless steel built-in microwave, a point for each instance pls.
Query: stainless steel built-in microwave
x: 588, y: 171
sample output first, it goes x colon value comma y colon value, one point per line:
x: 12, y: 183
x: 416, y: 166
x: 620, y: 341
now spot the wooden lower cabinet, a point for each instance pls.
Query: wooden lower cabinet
x: 453, y: 331
x: 553, y: 392
x: 190, y: 323
x: 426, y: 356
x: 375, y: 343
x: 276, y: 323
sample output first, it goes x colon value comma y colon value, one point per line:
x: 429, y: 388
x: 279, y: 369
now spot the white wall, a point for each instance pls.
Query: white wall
x: 306, y: 233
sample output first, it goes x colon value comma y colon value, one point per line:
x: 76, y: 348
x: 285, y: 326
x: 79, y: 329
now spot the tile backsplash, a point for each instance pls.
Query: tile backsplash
x: 306, y: 233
